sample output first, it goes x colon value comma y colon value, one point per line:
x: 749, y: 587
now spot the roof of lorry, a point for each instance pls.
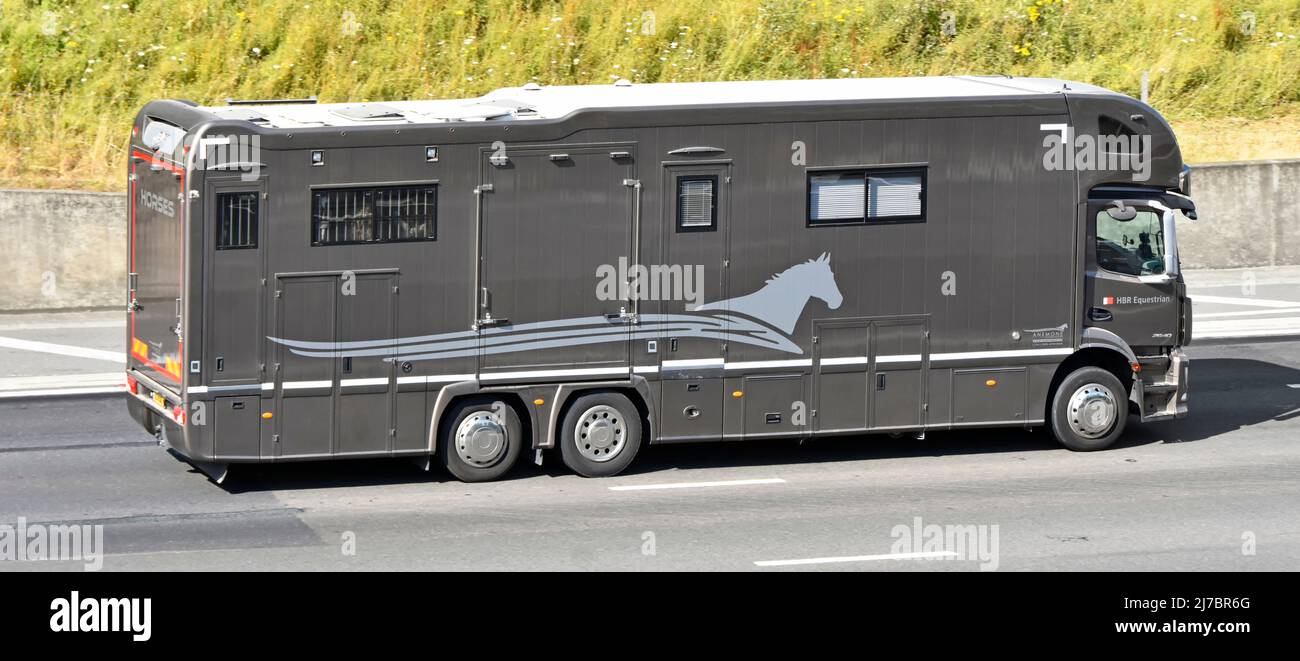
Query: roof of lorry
x: 535, y: 101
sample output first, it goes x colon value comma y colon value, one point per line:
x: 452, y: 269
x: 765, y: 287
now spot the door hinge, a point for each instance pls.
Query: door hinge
x: 263, y: 282
x: 483, y: 188
x: 278, y: 292
x: 392, y: 432
x: 394, y: 289
x: 814, y: 339
x: 194, y: 195
x: 632, y: 182
x: 925, y: 407
x: 726, y: 263
x: 277, y: 368
x: 261, y: 367
x: 275, y: 438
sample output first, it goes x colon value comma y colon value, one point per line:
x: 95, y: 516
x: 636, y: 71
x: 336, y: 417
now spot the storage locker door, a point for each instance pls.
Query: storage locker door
x: 900, y: 360
x: 304, y: 385
x: 366, y: 311
x: 840, y: 376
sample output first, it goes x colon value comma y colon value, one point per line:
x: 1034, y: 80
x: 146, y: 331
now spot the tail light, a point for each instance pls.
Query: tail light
x: 178, y: 412
x: 132, y: 385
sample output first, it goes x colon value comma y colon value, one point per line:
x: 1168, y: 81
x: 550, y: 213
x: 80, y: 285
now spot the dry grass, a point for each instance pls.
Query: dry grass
x: 1235, y: 139
x: 74, y: 72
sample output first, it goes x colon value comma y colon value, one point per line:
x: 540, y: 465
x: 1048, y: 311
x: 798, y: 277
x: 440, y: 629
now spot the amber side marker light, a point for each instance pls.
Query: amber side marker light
x: 991, y: 382
x: 267, y: 415
x: 539, y: 402
x: 737, y: 394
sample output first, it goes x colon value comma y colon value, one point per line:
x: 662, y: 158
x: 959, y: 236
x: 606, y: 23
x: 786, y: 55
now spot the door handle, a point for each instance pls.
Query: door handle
x: 622, y: 316
x: 1100, y: 314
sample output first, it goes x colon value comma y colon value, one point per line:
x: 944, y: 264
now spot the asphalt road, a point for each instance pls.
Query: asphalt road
x: 1219, y: 490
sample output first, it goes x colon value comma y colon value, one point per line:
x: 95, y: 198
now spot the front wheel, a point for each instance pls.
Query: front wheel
x: 1089, y: 409
x: 601, y: 434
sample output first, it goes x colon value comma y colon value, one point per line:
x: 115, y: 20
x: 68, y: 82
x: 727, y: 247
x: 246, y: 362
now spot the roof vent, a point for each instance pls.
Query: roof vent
x: 370, y: 112
x: 622, y: 82
x: 531, y: 87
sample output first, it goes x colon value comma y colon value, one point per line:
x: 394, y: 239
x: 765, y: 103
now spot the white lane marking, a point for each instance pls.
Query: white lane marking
x: 19, y: 394
x: 63, y: 349
x: 692, y: 485
x: 1244, y: 313
x: 1245, y: 334
x: 855, y: 558
x: 1242, y: 300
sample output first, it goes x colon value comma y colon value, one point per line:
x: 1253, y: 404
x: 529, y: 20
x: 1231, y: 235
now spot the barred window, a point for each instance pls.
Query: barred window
x: 236, y: 220
x: 374, y: 215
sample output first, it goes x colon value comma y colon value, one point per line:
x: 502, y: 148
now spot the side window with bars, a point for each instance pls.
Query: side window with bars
x: 864, y: 197
x: 236, y: 220
x: 374, y: 215
x: 697, y: 203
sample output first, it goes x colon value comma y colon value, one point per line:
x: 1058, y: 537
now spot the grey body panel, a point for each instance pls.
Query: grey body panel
x: 1006, y: 230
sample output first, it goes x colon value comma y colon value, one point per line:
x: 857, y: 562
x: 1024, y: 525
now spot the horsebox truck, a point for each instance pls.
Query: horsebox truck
x: 590, y: 269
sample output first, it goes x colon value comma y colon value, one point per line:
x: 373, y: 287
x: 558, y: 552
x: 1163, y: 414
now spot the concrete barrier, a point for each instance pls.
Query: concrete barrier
x: 1249, y: 216
x: 62, y: 250
x: 67, y: 250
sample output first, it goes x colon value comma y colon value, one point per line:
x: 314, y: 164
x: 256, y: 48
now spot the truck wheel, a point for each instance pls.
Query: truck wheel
x: 1089, y: 409
x: 600, y: 434
x: 481, y: 439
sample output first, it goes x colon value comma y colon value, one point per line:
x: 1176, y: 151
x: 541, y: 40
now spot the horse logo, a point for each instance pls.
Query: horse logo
x: 781, y: 301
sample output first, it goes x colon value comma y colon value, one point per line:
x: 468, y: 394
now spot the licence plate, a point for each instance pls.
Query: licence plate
x: 159, y: 399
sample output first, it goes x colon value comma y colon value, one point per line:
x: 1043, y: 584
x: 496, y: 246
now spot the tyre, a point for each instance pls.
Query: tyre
x: 1089, y: 409
x: 600, y: 434
x: 480, y: 439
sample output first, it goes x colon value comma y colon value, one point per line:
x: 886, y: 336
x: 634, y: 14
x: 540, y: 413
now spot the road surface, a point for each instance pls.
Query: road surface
x: 1217, y: 491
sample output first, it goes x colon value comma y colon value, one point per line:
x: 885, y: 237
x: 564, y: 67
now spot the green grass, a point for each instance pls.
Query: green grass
x: 72, y: 74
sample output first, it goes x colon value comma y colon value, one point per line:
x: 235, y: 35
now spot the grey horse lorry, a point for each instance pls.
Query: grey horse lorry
x: 590, y: 269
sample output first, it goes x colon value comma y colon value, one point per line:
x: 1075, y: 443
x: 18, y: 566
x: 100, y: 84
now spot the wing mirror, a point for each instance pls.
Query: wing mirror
x: 1120, y: 212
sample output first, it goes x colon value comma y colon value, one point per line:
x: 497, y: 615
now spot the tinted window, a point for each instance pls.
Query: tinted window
x: 1134, y: 247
